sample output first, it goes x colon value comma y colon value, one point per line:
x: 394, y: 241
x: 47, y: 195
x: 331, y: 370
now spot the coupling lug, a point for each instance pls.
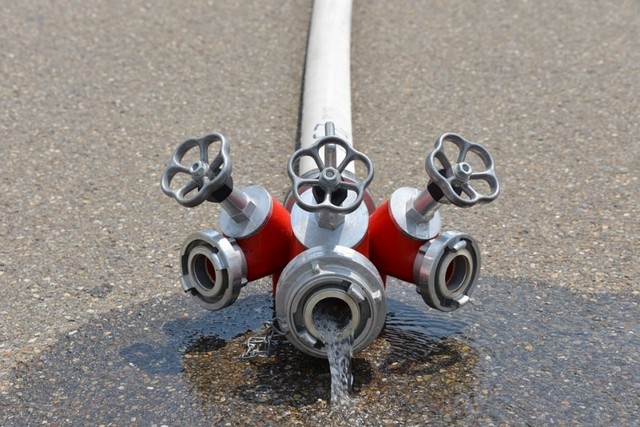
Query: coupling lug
x: 462, y: 300
x: 461, y: 244
x: 355, y: 293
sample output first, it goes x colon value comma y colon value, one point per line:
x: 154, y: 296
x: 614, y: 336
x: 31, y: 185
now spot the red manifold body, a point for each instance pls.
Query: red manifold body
x: 269, y: 250
x: 392, y: 251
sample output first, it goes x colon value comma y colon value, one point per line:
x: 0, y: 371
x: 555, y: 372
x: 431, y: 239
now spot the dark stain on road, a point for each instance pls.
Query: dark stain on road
x: 522, y: 353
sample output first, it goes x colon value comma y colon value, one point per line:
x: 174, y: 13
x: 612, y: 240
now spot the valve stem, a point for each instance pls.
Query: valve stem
x: 422, y: 207
x: 330, y: 153
x: 238, y: 205
x: 329, y: 181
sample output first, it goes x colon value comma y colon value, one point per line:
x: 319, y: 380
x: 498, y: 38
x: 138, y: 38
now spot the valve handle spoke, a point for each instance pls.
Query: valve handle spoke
x: 205, y: 177
x: 306, y: 182
x: 469, y: 191
x: 349, y: 186
x: 443, y: 160
x: 455, y: 179
x: 350, y: 157
x: 174, y: 168
x: 329, y: 180
x: 464, y: 149
x: 186, y: 189
x: 489, y: 177
x: 327, y: 199
x: 314, y: 154
x: 204, y: 156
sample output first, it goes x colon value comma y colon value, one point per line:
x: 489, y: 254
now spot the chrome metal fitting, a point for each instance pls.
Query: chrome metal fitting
x: 446, y: 270
x: 421, y: 223
x: 214, y: 269
x: 335, y: 278
x: 310, y: 232
x: 245, y: 212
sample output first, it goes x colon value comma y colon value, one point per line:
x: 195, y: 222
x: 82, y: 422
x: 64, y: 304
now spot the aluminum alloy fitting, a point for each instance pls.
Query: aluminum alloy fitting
x: 334, y: 278
x: 446, y: 270
x: 245, y: 212
x: 309, y: 231
x: 421, y: 225
x: 214, y: 269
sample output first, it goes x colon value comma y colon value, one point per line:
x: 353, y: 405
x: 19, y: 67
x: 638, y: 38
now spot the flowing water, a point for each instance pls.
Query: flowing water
x: 337, y: 336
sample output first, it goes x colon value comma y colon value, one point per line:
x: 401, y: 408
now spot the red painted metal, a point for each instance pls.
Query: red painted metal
x: 268, y: 251
x: 392, y: 251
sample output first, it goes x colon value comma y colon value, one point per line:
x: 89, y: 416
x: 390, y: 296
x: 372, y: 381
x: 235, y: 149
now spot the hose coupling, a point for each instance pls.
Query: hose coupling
x: 446, y: 270
x: 335, y: 281
x: 214, y: 269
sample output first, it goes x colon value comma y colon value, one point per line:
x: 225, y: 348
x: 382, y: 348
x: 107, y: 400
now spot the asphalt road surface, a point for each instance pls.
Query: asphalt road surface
x: 96, y: 95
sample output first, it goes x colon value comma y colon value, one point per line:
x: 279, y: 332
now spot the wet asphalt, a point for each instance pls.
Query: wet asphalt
x: 95, y: 96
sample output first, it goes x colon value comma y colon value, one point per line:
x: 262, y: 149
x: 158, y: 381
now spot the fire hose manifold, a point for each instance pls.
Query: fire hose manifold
x: 327, y: 247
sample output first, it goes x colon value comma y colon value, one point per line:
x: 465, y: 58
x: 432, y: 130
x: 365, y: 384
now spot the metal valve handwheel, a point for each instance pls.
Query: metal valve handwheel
x: 206, y: 178
x: 455, y: 179
x: 329, y: 179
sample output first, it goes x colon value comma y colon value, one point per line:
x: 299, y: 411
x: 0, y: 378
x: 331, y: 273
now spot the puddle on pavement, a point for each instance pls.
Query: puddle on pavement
x: 523, y: 353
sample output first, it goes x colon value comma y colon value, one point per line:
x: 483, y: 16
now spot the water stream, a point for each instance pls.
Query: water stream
x: 334, y: 329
